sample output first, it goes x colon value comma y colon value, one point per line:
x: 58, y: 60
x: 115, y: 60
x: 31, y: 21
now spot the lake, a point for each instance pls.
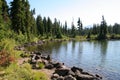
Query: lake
x: 101, y: 57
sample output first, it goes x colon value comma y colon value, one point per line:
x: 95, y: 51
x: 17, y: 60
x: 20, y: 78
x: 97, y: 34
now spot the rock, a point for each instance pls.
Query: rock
x: 77, y: 72
x: 80, y: 76
x: 45, y: 62
x: 69, y: 77
x: 37, y: 57
x: 48, y: 58
x: 44, y: 57
x: 55, y: 76
x: 71, y: 73
x: 87, y: 73
x: 49, y: 66
x: 76, y: 68
x: 62, y: 72
x: 58, y: 65
x: 60, y: 78
x: 98, y: 76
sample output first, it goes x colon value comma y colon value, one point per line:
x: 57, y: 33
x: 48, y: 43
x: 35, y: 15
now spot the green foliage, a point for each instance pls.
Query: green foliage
x: 80, y: 26
x: 41, y: 65
x: 73, y: 31
x: 103, y: 30
x: 7, y: 44
x: 89, y: 35
x: 39, y: 24
x: 24, y: 72
x: 5, y: 58
x: 20, y: 38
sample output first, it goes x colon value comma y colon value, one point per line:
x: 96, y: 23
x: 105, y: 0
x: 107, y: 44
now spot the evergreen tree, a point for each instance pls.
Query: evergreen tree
x: 94, y: 30
x: 73, y: 30
x: 39, y: 24
x: 80, y: 26
x: 89, y: 36
x: 103, y: 29
x: 45, y: 25
x: 33, y: 28
x: 5, y: 13
x: 54, y: 28
x: 49, y: 26
x: 27, y: 19
x: 66, y: 27
x: 17, y: 15
x: 58, y: 31
x: 1, y: 20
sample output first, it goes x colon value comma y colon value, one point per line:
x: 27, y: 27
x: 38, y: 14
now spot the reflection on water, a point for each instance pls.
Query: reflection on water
x: 101, y: 57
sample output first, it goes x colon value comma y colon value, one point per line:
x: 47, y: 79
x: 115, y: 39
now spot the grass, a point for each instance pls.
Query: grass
x: 41, y: 65
x: 24, y: 72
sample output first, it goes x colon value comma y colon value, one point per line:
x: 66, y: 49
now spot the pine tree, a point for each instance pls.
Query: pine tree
x: 5, y: 13
x: 39, y: 24
x: 55, y: 27
x: 17, y: 14
x: 33, y: 27
x: 80, y: 26
x: 73, y: 30
x: 66, y: 27
x: 1, y: 20
x: 45, y: 25
x: 49, y: 26
x: 103, y: 29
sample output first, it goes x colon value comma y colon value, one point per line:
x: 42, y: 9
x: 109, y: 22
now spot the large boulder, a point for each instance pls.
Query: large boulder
x: 85, y: 77
x: 71, y: 73
x: 49, y: 66
x: 80, y: 76
x: 60, y: 78
x: 74, y: 69
x: 69, y: 77
x: 58, y: 65
x: 62, y: 71
x: 55, y: 76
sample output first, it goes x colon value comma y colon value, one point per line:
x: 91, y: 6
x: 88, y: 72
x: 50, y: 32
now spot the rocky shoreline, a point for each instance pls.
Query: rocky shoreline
x: 61, y: 72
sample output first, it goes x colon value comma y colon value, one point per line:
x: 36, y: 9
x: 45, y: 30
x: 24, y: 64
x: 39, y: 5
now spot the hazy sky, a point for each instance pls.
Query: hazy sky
x: 90, y: 11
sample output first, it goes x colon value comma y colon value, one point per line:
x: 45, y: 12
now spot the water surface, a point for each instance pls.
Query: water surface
x: 101, y: 57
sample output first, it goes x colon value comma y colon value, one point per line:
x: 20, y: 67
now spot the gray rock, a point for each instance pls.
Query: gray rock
x: 69, y: 77
x: 49, y: 66
x: 80, y: 76
x: 58, y: 65
x: 76, y: 68
x: 55, y: 76
x: 71, y: 73
x: 62, y: 72
x: 60, y: 78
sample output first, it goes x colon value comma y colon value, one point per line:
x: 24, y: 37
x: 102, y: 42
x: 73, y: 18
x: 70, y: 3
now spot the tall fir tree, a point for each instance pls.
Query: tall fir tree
x: 45, y: 25
x: 49, y: 26
x: 5, y: 13
x: 103, y: 29
x: 17, y: 14
x: 1, y: 20
x: 66, y: 27
x: 33, y: 27
x: 80, y: 26
x: 73, y: 30
x: 39, y: 24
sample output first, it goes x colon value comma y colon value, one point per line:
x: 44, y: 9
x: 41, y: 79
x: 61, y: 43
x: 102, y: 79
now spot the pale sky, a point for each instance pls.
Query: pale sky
x: 90, y: 11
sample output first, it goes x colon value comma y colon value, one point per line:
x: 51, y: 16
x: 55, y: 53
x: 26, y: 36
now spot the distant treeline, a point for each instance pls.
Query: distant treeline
x: 19, y: 19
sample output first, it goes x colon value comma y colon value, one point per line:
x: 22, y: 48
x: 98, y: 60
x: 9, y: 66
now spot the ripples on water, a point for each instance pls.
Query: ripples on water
x: 102, y: 57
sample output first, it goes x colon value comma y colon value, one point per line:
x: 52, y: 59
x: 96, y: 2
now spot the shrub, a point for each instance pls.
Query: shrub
x: 23, y: 72
x: 41, y: 65
x: 5, y: 58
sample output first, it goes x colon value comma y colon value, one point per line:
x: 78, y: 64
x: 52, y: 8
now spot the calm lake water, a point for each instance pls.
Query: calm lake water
x: 101, y: 57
